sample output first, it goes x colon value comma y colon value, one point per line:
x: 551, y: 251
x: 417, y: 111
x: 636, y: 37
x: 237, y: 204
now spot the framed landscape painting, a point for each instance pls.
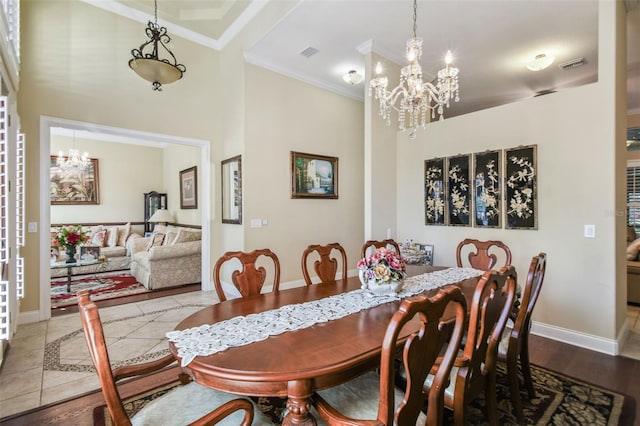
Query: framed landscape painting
x: 520, y: 188
x: 313, y: 176
x: 73, y: 185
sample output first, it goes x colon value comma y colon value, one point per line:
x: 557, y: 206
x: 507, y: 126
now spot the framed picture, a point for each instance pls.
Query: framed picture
x: 434, y: 191
x: 487, y: 172
x: 89, y: 252
x: 313, y: 176
x: 189, y: 188
x: 73, y: 186
x: 520, y: 188
x: 232, y: 190
x: 459, y: 190
x: 427, y: 249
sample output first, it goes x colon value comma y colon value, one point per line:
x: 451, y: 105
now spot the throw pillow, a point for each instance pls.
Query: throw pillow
x: 633, y: 249
x: 156, y: 240
x: 169, y: 238
x: 123, y: 233
x: 185, y: 236
x: 99, y: 238
x: 112, y: 236
x: 160, y: 228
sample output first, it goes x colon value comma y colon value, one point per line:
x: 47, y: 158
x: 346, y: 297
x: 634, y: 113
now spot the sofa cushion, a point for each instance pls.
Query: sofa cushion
x: 633, y: 249
x: 123, y: 233
x: 186, y: 236
x: 112, y: 252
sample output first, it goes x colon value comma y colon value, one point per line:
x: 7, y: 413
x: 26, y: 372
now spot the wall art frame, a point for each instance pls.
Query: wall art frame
x: 459, y: 190
x: 313, y: 176
x: 434, y: 191
x: 427, y: 250
x: 189, y: 188
x: 520, y: 183
x: 73, y: 186
x: 232, y: 190
x: 487, y: 181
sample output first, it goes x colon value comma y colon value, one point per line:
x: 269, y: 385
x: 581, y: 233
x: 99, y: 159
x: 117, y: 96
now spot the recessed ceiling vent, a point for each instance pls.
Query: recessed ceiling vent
x: 309, y: 52
x: 578, y: 62
x: 544, y: 92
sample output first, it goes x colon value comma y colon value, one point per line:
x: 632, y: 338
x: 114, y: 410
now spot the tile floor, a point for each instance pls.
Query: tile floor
x: 49, y: 361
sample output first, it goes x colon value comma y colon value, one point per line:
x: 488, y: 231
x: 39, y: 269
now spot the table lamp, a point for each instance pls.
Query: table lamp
x: 161, y: 216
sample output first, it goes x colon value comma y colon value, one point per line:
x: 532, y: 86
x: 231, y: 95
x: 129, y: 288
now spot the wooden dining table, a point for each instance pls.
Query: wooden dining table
x: 294, y: 364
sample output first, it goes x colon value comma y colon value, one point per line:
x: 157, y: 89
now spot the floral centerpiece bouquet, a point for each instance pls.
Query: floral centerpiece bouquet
x: 70, y: 237
x: 384, y: 267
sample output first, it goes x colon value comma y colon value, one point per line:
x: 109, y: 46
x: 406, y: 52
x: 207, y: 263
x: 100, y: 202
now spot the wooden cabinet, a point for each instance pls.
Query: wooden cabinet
x: 152, y: 201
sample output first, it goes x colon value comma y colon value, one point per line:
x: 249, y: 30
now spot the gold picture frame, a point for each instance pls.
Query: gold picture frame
x: 73, y: 186
x: 313, y: 176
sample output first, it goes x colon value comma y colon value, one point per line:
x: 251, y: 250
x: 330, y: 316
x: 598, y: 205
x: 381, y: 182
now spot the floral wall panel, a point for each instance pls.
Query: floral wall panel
x: 520, y: 187
x: 459, y: 190
x: 487, y: 172
x: 434, y: 191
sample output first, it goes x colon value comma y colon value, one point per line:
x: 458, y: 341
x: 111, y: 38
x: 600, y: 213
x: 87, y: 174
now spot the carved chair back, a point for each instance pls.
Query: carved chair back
x: 250, y: 279
x: 326, y: 267
x: 375, y: 244
x: 483, y: 255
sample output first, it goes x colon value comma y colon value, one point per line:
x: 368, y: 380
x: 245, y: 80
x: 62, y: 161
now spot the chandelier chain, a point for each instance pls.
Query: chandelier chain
x: 415, y: 18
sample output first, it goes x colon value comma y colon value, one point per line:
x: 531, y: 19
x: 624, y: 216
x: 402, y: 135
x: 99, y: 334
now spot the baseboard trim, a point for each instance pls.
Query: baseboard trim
x: 576, y: 338
x: 28, y: 317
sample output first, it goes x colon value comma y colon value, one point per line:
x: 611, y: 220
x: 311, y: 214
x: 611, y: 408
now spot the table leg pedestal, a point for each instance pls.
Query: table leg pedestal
x: 299, y: 404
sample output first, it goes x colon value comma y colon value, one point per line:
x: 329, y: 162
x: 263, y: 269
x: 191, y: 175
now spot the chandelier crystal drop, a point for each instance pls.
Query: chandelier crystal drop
x: 414, y: 98
x: 147, y: 62
x: 75, y: 160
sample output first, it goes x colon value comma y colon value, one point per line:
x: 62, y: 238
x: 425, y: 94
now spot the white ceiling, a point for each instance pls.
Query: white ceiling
x: 491, y: 40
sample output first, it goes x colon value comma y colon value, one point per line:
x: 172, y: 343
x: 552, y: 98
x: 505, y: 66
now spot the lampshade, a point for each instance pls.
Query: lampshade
x: 161, y: 216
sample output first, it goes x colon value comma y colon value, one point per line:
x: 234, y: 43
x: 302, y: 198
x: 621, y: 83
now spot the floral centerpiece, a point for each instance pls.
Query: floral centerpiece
x: 70, y: 237
x: 384, y: 268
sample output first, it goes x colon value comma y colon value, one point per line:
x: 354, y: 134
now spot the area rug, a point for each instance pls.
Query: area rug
x: 100, y: 287
x: 560, y: 400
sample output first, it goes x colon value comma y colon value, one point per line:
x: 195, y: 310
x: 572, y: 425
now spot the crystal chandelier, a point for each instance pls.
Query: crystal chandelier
x: 414, y: 97
x: 74, y: 160
x: 149, y: 65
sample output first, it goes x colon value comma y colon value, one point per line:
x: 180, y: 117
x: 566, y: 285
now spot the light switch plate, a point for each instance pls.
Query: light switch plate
x: 589, y: 231
x: 256, y: 223
x: 32, y: 227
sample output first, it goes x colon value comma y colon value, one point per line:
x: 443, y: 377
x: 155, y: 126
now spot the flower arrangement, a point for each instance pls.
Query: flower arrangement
x: 382, y: 267
x: 70, y: 236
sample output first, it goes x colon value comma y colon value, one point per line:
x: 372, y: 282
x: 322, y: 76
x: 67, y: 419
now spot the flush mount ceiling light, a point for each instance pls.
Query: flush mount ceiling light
x: 352, y: 77
x: 149, y: 64
x: 540, y: 62
x: 414, y: 96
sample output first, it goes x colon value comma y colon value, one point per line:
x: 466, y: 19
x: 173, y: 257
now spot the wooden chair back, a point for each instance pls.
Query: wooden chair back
x: 375, y: 244
x: 479, y: 255
x: 490, y: 307
x: 94, y: 335
x: 251, y: 278
x: 326, y: 267
x: 518, y: 339
x: 417, y: 355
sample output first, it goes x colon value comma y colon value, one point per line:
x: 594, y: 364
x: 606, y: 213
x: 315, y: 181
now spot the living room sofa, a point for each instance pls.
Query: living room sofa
x: 115, y: 245
x: 633, y: 267
x: 171, y: 257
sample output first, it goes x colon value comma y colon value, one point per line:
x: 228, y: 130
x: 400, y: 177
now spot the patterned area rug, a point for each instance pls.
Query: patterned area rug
x: 560, y: 400
x: 101, y: 287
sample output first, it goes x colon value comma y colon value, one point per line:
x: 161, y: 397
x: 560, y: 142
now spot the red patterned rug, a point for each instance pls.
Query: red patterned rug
x: 101, y: 287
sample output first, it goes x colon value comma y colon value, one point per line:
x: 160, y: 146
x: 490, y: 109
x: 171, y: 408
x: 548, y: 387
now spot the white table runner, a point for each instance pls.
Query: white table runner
x: 209, y: 339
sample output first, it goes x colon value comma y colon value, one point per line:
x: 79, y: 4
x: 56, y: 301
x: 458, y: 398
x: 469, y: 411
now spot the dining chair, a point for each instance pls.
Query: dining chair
x: 474, y: 369
x: 375, y: 396
x: 326, y: 267
x: 250, y: 279
x: 188, y: 403
x: 515, y: 338
x: 375, y: 244
x: 479, y: 255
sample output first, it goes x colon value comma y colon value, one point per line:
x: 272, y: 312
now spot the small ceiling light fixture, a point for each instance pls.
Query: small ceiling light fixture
x: 415, y: 96
x: 74, y: 161
x: 540, y: 62
x: 149, y: 65
x: 352, y: 77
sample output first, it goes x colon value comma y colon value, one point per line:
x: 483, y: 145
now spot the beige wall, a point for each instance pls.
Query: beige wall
x: 177, y: 158
x: 121, y: 196
x: 575, y: 137
x: 285, y: 115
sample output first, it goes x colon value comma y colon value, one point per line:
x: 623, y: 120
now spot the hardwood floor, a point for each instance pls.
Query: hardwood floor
x: 612, y: 372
